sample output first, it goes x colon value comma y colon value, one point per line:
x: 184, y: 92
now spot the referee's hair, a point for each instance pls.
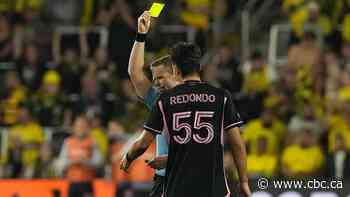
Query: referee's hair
x: 163, y: 61
x: 187, y: 57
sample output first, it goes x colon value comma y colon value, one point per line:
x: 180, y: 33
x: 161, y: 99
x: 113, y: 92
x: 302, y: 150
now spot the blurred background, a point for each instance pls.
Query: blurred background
x: 286, y: 62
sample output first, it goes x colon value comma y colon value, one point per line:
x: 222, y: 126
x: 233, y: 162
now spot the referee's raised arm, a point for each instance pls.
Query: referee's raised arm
x: 136, y: 60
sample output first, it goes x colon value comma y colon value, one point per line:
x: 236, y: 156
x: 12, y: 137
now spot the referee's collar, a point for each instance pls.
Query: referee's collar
x: 193, y: 81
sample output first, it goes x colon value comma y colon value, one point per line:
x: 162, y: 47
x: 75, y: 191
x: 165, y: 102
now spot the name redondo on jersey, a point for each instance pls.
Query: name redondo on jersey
x: 192, y: 98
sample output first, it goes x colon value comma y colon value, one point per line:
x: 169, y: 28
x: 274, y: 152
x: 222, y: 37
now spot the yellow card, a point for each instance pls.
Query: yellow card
x: 156, y: 9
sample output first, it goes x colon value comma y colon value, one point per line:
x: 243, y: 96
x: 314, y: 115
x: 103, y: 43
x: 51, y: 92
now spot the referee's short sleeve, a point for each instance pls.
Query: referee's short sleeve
x: 154, y: 123
x: 151, y: 97
x: 231, y: 115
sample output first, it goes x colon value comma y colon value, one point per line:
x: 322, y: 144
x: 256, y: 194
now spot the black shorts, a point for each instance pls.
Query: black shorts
x: 157, y: 188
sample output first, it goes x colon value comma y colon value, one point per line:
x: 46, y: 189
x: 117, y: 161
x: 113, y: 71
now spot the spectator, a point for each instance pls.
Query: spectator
x: 337, y: 10
x: 316, y: 21
x: 305, y: 54
x: 6, y: 40
x: 310, y: 18
x: 89, y: 11
x: 345, y: 54
x: 339, y: 124
x: 262, y: 164
x: 290, y: 6
x: 306, y: 59
x: 256, y: 80
x: 50, y: 103
x: 70, y: 70
x: 103, y: 17
x: 255, y: 86
x: 98, y: 133
x: 22, y: 5
x: 338, y: 162
x: 280, y: 99
x: 343, y: 93
x: 197, y: 14
x: 25, y: 141
x: 123, y: 25
x: 5, y: 6
x: 303, y: 159
x: 31, y: 67
x: 104, y: 68
x: 47, y: 167
x: 64, y: 12
x: 306, y: 119
x: 94, y: 99
x: 29, y: 26
x: 333, y: 71
x: 229, y: 74
x: 287, y: 84
x: 346, y: 28
x: 13, y: 95
x: 79, y: 158
x: 268, y: 126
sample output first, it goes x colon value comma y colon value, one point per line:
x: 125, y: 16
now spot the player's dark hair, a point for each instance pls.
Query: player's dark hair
x: 187, y: 57
x: 164, y: 61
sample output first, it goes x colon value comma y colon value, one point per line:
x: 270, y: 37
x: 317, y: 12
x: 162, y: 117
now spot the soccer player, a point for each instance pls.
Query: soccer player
x: 194, y: 115
x: 163, y: 78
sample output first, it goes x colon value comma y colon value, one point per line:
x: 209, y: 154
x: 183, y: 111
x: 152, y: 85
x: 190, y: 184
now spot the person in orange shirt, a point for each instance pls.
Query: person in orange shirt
x: 79, y: 159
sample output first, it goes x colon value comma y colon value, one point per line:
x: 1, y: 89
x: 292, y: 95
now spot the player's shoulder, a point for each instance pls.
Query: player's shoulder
x: 203, y: 86
x: 164, y: 95
x: 218, y: 90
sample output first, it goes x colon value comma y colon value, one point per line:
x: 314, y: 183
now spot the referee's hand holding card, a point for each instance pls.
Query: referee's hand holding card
x: 144, y: 23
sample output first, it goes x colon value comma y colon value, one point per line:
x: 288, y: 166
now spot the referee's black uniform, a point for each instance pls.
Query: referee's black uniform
x: 194, y: 115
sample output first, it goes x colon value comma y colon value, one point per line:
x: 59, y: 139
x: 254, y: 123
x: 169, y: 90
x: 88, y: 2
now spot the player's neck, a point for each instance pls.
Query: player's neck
x: 193, y: 77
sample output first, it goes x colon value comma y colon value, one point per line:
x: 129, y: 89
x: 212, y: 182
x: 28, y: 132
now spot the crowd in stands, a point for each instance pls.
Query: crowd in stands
x: 295, y: 126
x: 303, y: 128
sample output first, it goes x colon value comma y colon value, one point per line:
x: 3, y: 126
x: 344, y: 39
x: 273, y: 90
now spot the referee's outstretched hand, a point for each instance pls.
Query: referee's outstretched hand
x: 144, y: 22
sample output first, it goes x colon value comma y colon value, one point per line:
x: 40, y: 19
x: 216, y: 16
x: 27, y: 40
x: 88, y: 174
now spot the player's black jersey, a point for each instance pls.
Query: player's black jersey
x: 194, y: 116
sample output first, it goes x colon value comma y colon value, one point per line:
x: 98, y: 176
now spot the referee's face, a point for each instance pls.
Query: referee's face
x: 162, y: 77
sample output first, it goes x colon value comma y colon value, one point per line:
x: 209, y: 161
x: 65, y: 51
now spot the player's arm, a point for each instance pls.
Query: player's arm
x: 136, y: 60
x: 160, y: 161
x: 239, y: 155
x: 137, y: 149
x: 232, y: 121
x: 153, y: 126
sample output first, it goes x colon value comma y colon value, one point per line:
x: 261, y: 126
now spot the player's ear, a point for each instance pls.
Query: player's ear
x: 176, y: 70
x: 173, y: 67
